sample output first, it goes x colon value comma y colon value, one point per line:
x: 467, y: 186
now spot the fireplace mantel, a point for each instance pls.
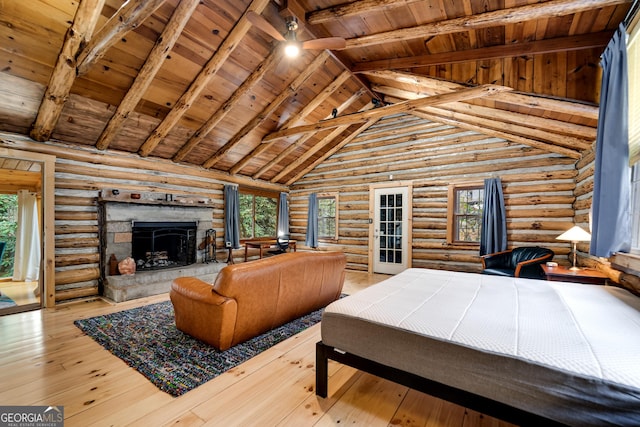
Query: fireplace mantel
x: 155, y: 199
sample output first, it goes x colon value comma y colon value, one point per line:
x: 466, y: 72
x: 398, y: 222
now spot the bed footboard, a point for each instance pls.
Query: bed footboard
x: 469, y: 400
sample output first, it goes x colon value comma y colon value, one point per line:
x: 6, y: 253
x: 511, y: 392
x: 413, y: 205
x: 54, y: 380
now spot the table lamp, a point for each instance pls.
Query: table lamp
x: 575, y: 234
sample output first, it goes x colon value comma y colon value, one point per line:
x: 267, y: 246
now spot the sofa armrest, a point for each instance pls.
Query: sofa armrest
x: 197, y: 290
x: 203, y: 313
x: 496, y: 260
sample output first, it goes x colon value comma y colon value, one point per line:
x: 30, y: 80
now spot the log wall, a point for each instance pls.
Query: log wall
x: 81, y: 174
x: 622, y: 269
x: 584, y: 196
x: 538, y: 188
x: 544, y: 193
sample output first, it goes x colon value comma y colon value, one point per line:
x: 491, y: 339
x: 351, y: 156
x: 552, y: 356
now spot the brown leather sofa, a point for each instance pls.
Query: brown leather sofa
x: 253, y: 297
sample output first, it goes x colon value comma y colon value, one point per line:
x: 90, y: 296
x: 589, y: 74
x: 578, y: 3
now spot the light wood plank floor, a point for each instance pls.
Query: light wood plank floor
x: 46, y: 360
x: 21, y: 292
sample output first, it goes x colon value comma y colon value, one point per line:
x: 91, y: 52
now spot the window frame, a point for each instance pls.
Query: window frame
x: 452, y: 197
x: 335, y: 196
x: 261, y: 193
x: 634, y: 210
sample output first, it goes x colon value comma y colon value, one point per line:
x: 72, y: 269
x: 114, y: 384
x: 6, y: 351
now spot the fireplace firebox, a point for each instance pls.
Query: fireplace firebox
x: 157, y: 245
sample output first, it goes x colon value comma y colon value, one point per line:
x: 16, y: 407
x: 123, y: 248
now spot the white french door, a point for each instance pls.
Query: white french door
x: 391, y: 206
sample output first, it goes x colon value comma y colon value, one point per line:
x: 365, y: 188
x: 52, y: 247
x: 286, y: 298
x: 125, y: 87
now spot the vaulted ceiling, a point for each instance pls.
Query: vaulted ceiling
x: 198, y: 82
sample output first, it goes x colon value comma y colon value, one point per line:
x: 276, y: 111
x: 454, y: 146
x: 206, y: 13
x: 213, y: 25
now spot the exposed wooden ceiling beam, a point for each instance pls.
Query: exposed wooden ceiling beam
x: 354, y: 8
x: 125, y: 160
x: 402, y: 107
x: 147, y: 73
x: 64, y: 72
x: 560, y: 44
x: 127, y: 18
x: 561, y: 127
x: 293, y: 8
x: 269, y: 109
x: 263, y: 68
x: 300, y: 115
x: 299, y: 161
x: 441, y: 116
x: 329, y: 153
x: 540, y: 128
x: 284, y: 153
x: 433, y: 86
x: 202, y: 79
x: 514, y: 15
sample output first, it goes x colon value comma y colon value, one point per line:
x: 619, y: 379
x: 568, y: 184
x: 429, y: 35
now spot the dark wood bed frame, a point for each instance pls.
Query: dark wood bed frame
x: 464, y: 398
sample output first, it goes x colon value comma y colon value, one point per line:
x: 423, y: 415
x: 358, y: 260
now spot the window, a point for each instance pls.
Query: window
x: 328, y: 216
x: 258, y: 214
x: 8, y: 227
x: 464, y: 214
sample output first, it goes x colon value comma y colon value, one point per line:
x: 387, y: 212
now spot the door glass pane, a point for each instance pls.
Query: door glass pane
x: 390, y: 239
x: 390, y: 227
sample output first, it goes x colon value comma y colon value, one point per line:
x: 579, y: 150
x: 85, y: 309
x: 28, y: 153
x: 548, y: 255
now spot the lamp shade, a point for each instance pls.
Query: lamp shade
x: 575, y: 234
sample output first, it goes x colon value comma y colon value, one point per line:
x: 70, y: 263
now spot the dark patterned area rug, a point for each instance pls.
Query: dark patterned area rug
x: 147, y: 339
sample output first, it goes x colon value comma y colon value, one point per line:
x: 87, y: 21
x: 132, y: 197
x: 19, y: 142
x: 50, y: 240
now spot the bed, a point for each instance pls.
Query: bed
x: 530, y: 352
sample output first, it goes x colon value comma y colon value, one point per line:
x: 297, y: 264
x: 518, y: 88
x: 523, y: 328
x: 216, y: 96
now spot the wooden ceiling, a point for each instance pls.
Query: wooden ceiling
x: 18, y: 174
x: 195, y: 82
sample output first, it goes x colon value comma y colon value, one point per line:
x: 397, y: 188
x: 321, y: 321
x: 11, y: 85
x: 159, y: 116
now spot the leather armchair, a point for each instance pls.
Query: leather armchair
x: 517, y: 262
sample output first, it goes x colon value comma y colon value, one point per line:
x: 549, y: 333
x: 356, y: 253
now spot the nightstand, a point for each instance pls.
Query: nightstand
x: 563, y: 274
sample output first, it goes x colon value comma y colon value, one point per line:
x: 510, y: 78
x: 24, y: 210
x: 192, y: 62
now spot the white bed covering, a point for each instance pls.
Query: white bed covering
x: 572, y: 335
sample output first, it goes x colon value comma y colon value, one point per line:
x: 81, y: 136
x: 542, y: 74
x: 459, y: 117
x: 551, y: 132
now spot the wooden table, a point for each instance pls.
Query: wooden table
x: 262, y: 244
x: 563, y: 274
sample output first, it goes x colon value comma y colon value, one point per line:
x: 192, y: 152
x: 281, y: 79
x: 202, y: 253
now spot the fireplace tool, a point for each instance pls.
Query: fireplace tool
x: 210, y: 246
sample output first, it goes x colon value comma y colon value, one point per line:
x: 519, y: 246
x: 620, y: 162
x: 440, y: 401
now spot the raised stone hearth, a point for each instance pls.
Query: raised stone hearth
x: 118, y: 219
x: 124, y: 288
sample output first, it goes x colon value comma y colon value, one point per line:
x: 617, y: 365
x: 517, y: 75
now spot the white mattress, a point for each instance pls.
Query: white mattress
x: 569, y: 335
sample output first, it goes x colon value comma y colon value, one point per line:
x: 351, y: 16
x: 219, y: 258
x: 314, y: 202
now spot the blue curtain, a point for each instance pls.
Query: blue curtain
x: 231, y: 216
x: 493, y: 237
x: 312, y: 222
x: 611, y: 224
x: 283, y: 215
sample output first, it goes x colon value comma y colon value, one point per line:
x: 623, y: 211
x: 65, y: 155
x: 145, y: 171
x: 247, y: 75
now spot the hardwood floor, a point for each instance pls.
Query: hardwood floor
x: 46, y: 360
x: 21, y: 292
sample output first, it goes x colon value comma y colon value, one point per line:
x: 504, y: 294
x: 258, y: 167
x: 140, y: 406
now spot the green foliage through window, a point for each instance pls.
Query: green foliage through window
x: 468, y: 214
x: 258, y: 216
x: 327, y: 217
x: 8, y: 226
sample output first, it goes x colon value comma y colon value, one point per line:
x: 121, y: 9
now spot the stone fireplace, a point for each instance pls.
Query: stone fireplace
x: 163, y: 240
